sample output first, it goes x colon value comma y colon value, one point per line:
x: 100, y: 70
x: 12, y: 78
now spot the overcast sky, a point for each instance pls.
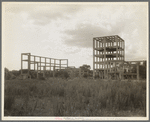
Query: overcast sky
x: 66, y: 30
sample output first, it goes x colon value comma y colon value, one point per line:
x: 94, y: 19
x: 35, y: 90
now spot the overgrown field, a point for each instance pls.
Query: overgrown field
x: 76, y: 97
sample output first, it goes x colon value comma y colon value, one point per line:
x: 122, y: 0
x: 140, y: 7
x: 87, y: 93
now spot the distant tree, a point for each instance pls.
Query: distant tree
x: 6, y: 70
x: 7, y: 74
x: 16, y: 72
x: 61, y: 74
x: 85, y: 67
x: 142, y: 71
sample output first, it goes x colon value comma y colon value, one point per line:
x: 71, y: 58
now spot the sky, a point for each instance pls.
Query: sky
x: 66, y: 30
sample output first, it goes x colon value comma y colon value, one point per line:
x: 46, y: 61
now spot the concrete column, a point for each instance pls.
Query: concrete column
x: 21, y: 63
x: 138, y: 71
x: 93, y: 58
x: 53, y: 71
x: 119, y: 50
x: 67, y: 62
x: 116, y: 48
x: 124, y: 51
x: 54, y: 68
x: 45, y: 64
x: 44, y: 68
x: 50, y: 63
x: 107, y: 70
x: 96, y: 54
x: 34, y: 63
x: 29, y: 63
x: 37, y: 70
x: 60, y: 64
x: 104, y: 57
x: 40, y: 64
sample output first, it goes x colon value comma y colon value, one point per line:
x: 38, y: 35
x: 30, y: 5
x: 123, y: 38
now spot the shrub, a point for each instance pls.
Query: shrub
x: 8, y: 102
x: 85, y: 75
x: 66, y: 75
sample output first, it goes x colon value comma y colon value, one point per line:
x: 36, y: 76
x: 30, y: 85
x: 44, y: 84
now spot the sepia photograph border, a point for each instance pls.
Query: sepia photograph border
x: 68, y: 118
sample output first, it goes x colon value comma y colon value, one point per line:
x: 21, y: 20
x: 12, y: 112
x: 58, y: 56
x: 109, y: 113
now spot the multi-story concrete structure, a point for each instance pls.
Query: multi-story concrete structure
x: 108, y: 52
x: 109, y: 59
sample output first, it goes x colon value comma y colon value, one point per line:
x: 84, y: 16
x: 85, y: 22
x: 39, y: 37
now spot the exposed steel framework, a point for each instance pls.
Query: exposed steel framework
x: 41, y: 64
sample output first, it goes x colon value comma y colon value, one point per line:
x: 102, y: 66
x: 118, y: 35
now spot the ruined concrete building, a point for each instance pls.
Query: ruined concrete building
x: 109, y: 59
x: 40, y: 64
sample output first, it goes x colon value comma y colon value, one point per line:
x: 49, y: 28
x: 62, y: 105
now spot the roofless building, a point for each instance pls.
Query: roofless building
x: 40, y: 64
x: 109, y: 59
x: 108, y: 53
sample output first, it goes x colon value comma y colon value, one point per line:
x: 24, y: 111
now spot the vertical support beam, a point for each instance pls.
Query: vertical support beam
x: 123, y: 51
x: 50, y: 63
x: 54, y: 64
x: 123, y: 72
x: 99, y: 54
x: 60, y: 64
x: 104, y: 57
x: 93, y: 58
x: 44, y: 72
x: 116, y: 48
x: 54, y: 68
x: 37, y: 70
x: 45, y: 64
x: 34, y: 63
x: 40, y: 64
x: 67, y: 62
x: 96, y: 54
x: 21, y: 63
x: 119, y: 50
x: 107, y: 69
x: 29, y: 63
x: 138, y: 71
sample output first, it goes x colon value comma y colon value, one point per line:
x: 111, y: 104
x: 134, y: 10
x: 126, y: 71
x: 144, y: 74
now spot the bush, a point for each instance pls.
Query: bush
x: 8, y: 102
x: 66, y: 75
x: 85, y: 75
x: 33, y: 74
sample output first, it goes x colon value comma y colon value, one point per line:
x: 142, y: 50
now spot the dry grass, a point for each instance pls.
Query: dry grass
x: 76, y: 97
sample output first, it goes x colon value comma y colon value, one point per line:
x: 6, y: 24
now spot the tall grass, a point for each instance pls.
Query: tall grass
x: 76, y: 97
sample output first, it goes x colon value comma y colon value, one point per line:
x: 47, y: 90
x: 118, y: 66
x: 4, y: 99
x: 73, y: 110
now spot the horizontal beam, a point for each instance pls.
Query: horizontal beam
x: 25, y: 53
x: 136, y: 61
x: 48, y: 57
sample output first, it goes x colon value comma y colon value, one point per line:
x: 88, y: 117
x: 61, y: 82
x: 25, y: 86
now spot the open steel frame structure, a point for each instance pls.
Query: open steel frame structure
x: 109, y: 59
x: 41, y: 64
